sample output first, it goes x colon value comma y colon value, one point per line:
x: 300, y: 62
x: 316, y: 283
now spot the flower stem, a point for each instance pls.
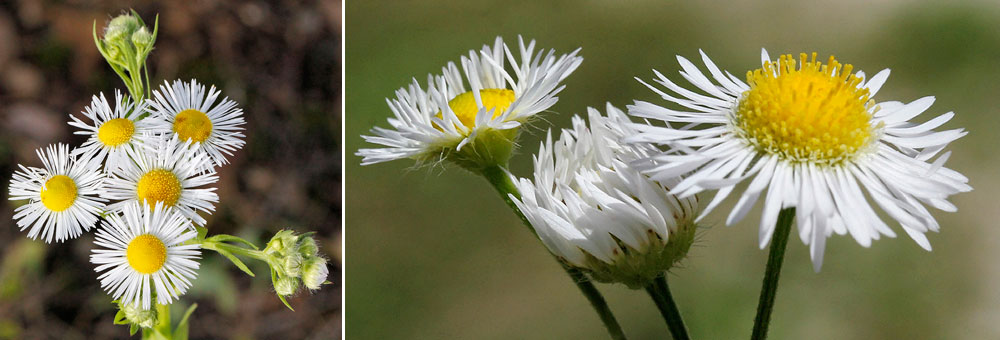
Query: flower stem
x: 774, y: 259
x: 660, y: 292
x: 498, y: 177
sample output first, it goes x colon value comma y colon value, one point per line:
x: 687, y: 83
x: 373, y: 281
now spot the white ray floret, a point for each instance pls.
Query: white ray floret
x: 586, y: 197
x: 141, y: 253
x: 811, y: 138
x: 173, y: 172
x: 450, y: 114
x: 189, y: 111
x: 63, y: 197
x: 112, y: 130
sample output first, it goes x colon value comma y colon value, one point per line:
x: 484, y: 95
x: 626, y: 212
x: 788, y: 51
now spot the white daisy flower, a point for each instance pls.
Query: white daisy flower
x: 171, y: 172
x: 63, y: 198
x: 594, y: 210
x: 192, y: 114
x: 143, y: 252
x: 112, y: 130
x: 448, y: 115
x: 811, y: 135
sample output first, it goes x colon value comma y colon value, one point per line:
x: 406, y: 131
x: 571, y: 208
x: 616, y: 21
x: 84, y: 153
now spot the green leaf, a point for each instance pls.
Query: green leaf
x: 132, y: 329
x: 120, y: 318
x: 231, y: 238
x: 236, y: 261
x: 181, y: 333
x: 286, y: 303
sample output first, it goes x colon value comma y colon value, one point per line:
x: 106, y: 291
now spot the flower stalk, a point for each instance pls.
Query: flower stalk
x: 769, y: 288
x: 498, y: 177
x: 659, y: 291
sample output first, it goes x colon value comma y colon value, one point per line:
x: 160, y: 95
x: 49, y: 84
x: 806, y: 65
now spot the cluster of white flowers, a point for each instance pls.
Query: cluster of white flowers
x: 148, y: 169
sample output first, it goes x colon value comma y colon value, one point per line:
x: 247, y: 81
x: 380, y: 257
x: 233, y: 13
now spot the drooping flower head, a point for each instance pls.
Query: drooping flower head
x: 594, y: 210
x: 63, y: 197
x: 190, y: 112
x: 809, y: 133
x: 142, y: 253
x: 172, y: 172
x: 472, y: 125
x: 112, y: 130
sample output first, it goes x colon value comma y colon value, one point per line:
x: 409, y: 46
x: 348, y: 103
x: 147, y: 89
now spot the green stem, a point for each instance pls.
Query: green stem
x: 497, y: 176
x: 775, y: 257
x: 660, y: 292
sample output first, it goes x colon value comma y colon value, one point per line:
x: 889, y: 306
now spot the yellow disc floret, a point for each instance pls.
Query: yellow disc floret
x: 146, y: 254
x: 116, y: 132
x: 193, y: 125
x: 813, y: 113
x: 465, y: 107
x: 59, y: 193
x: 159, y: 185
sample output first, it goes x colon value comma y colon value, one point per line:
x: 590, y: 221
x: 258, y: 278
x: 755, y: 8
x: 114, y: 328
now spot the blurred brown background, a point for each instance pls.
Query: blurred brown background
x: 280, y: 60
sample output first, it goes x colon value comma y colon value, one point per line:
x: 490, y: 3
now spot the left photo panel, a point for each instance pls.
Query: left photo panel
x: 173, y: 170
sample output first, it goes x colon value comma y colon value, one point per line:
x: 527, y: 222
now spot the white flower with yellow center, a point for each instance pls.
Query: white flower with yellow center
x: 191, y: 113
x: 808, y: 133
x: 171, y: 172
x: 112, y: 130
x: 143, y: 252
x: 476, y: 124
x: 594, y: 210
x: 63, y: 197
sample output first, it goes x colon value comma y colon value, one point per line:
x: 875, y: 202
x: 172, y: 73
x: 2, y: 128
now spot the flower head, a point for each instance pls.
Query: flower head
x: 170, y: 172
x: 595, y: 211
x: 143, y: 252
x: 473, y: 126
x: 190, y: 112
x: 63, y: 197
x: 112, y: 130
x: 809, y: 133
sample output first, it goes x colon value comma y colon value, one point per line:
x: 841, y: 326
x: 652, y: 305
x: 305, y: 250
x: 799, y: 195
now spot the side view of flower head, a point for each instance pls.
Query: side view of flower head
x: 142, y: 253
x: 112, y: 130
x: 809, y: 133
x: 171, y: 172
x: 191, y: 113
x: 472, y: 126
x: 63, y: 197
x: 594, y: 210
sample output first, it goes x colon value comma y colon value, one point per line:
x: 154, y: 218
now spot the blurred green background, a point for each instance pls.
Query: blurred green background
x: 434, y: 254
x: 280, y: 60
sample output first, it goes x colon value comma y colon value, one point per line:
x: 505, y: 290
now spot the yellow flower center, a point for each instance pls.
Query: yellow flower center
x: 59, y: 193
x: 465, y: 107
x: 193, y: 125
x: 146, y: 254
x: 159, y: 186
x: 116, y: 132
x: 815, y: 113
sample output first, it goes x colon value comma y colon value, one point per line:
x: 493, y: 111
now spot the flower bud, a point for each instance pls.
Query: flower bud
x: 307, y: 247
x: 142, y: 38
x: 292, y: 265
x: 314, y: 272
x: 125, y: 22
x: 138, y: 316
x: 286, y: 286
x: 281, y: 241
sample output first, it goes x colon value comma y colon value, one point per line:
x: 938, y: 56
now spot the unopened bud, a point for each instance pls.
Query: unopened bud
x: 138, y: 316
x: 308, y: 248
x: 286, y: 286
x: 142, y: 38
x: 314, y: 272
